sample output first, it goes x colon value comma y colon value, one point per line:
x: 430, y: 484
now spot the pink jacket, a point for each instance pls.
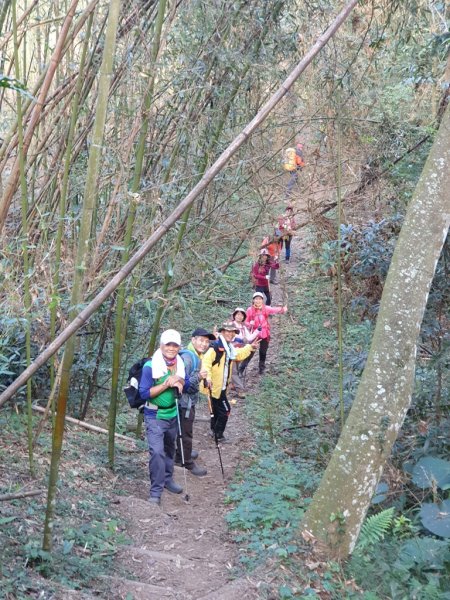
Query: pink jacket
x: 259, y: 317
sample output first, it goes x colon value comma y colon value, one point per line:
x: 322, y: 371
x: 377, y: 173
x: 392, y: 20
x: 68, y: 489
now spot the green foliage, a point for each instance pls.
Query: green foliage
x: 375, y: 528
x: 395, y: 568
x: 431, y: 471
x: 269, y: 504
x: 13, y: 84
x: 12, y: 350
x: 436, y: 517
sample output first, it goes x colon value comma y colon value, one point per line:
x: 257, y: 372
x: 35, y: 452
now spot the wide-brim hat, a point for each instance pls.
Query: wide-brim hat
x: 241, y: 310
x: 228, y: 326
x: 200, y: 332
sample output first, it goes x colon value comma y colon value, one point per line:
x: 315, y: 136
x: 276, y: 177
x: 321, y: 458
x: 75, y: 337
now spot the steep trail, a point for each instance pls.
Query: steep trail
x: 183, y: 550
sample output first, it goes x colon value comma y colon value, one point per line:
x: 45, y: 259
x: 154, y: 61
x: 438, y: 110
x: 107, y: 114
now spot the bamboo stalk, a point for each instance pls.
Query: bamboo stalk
x: 19, y: 495
x: 11, y: 184
x: 90, y: 196
x: 140, y: 151
x: 64, y: 188
x: 160, y: 232
x: 26, y: 265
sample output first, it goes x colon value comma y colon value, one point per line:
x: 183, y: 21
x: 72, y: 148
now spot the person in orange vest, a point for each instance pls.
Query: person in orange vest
x: 273, y: 245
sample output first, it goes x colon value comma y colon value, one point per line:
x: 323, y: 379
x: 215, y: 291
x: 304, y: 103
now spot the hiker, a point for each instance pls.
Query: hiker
x: 192, y: 357
x: 163, y: 379
x: 218, y: 364
x: 244, y: 336
x: 273, y: 246
x: 293, y: 163
x: 287, y: 225
x: 258, y: 319
x: 260, y: 274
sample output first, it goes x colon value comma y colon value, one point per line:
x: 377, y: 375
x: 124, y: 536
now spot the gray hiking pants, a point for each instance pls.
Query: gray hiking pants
x: 236, y: 379
x: 161, y: 435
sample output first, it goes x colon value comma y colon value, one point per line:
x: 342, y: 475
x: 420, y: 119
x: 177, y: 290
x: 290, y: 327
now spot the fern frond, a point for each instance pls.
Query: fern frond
x: 374, y: 528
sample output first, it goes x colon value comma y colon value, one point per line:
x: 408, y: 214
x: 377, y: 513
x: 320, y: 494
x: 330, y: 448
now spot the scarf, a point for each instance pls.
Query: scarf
x: 229, y: 349
x: 230, y: 354
x: 160, y: 367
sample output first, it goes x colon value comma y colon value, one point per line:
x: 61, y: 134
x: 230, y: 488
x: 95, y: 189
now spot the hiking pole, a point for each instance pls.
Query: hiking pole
x: 211, y: 414
x: 180, y: 439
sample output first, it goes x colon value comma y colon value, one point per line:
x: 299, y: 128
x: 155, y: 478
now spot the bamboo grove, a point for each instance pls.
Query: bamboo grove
x: 111, y: 112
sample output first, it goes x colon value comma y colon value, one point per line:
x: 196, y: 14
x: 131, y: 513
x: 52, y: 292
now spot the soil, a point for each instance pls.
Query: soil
x: 183, y: 549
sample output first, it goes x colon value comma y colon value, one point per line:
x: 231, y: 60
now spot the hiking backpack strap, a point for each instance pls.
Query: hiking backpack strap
x: 219, y: 350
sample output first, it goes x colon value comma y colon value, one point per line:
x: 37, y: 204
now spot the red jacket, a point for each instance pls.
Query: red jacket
x: 259, y: 317
x: 260, y: 274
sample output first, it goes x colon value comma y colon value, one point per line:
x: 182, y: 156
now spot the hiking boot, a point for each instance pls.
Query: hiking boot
x: 179, y: 462
x: 223, y: 440
x: 197, y: 471
x: 173, y: 487
x: 154, y: 500
x: 262, y: 368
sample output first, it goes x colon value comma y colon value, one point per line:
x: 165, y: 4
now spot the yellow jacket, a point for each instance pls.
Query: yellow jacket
x: 216, y: 372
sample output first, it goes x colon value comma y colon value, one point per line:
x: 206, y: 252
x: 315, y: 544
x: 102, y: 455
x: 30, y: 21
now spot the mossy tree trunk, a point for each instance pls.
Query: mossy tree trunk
x: 340, y: 504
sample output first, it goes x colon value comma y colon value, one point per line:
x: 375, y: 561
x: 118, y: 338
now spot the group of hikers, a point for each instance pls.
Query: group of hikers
x: 173, y: 378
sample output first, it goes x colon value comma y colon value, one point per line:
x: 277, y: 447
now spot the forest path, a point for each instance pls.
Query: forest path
x: 184, y: 550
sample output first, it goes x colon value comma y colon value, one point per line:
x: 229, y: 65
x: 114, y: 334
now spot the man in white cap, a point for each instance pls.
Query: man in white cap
x: 163, y: 377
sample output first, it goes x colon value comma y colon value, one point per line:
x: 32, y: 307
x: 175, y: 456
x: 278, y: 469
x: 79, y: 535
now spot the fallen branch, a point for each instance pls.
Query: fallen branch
x: 88, y: 425
x: 17, y: 495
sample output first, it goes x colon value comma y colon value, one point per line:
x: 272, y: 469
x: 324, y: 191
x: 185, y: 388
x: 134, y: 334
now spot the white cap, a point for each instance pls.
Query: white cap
x: 258, y: 295
x: 170, y: 336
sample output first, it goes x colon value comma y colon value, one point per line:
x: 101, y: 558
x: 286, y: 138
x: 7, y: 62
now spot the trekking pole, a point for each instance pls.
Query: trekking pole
x: 211, y: 414
x: 180, y: 438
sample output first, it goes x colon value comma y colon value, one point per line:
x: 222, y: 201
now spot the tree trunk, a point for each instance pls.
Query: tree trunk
x: 340, y: 504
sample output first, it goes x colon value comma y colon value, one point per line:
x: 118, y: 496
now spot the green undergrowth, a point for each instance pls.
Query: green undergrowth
x: 87, y: 532
x: 295, y: 420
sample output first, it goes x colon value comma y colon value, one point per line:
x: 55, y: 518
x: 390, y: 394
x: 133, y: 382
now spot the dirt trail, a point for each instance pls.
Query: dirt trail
x: 183, y: 550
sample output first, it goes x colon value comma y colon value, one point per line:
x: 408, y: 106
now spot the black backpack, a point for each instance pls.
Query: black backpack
x: 132, y: 388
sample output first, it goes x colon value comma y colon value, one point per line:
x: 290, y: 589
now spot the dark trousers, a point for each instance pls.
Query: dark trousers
x: 265, y: 291
x: 221, y: 412
x: 292, y: 181
x: 187, y: 434
x: 287, y: 243
x: 263, y: 346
